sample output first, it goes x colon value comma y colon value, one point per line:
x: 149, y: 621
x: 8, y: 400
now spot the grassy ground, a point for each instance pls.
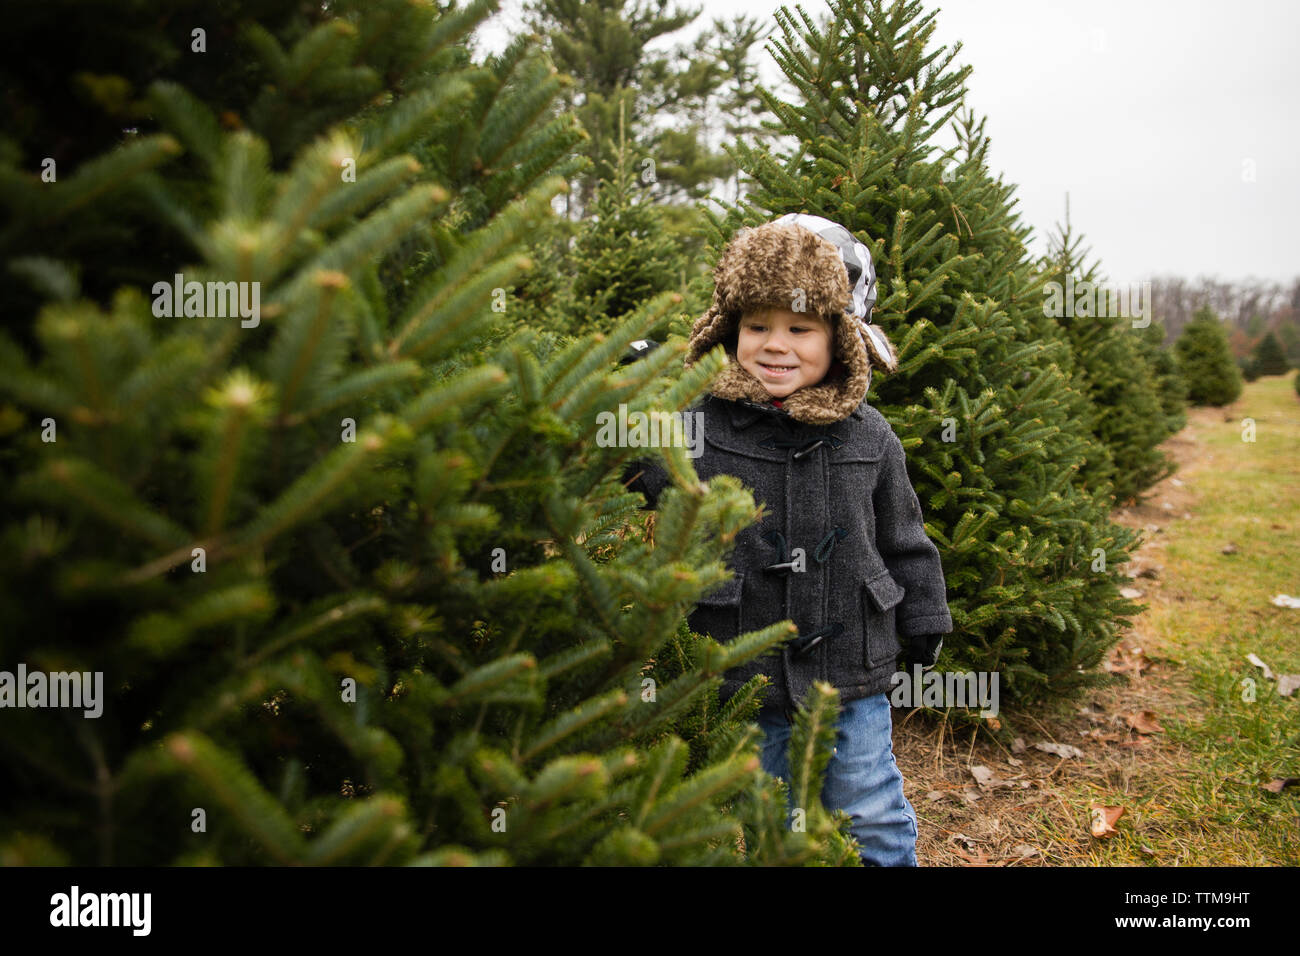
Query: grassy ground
x: 1191, y: 791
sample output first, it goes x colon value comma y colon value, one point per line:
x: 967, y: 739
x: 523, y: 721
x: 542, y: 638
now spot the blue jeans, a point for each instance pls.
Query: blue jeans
x: 862, y: 778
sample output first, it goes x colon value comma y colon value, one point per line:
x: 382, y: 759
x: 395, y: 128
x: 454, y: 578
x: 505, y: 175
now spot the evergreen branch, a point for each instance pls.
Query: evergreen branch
x: 313, y: 491
x: 330, y: 42
x: 719, y: 658
x: 811, y: 740
x: 573, y: 658
x: 109, y: 172
x: 570, y: 777
x: 362, y: 825
x: 373, y: 185
x: 169, y: 368
x: 34, y: 389
x: 445, y: 301
x: 571, y: 722
x: 701, y: 790
x: 242, y: 404
x: 369, y: 238
x: 226, y: 780
x: 445, y: 402
x: 160, y: 635
x: 303, y: 341
x: 242, y: 179
x: 492, y: 682
x: 507, y: 120
x: 371, y: 381
x: 324, y: 616
x: 188, y: 118
x: 150, y: 186
x: 52, y: 278
x: 73, y: 481
x: 666, y: 762
x: 409, y: 119
x: 267, y: 48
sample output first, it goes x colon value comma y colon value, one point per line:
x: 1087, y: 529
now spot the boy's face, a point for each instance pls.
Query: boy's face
x: 784, y: 350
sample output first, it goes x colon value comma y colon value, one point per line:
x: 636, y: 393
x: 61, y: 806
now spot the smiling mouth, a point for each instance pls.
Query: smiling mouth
x: 777, y: 369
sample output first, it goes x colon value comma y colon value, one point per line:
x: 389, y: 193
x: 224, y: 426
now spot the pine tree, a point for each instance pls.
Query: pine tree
x: 603, y: 45
x: 1269, y: 359
x: 350, y: 565
x: 1111, y: 369
x: 1205, y: 361
x: 1169, y: 384
x: 995, y: 432
x: 623, y: 255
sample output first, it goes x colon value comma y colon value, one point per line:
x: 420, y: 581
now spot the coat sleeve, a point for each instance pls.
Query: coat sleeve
x: 648, y: 477
x: 909, y: 554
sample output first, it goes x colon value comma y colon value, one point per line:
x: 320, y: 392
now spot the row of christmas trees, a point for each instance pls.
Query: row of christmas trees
x: 301, y: 456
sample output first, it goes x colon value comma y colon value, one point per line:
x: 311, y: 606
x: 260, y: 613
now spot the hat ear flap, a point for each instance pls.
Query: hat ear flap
x: 708, y: 331
x: 880, y: 350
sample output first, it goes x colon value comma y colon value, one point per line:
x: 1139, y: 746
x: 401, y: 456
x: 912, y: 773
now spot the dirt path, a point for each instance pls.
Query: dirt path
x: 1037, y: 808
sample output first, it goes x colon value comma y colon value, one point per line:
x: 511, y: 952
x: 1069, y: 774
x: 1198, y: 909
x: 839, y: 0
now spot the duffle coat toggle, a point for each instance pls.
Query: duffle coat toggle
x: 801, y: 644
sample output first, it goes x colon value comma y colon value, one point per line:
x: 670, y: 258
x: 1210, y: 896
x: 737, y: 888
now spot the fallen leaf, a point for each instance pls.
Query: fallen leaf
x: 987, y: 779
x: 1287, y: 684
x: 935, y: 795
x: 1024, y: 851
x: 983, y: 775
x: 1229, y: 548
x: 1130, y: 593
x: 1015, y: 762
x: 1277, y: 786
x: 1122, y: 660
x: 981, y: 860
x: 1061, y: 750
x: 1147, y: 850
x: 1286, y: 600
x: 1018, y: 745
x: 1103, y: 820
x: 1260, y: 664
x: 1145, y: 722
x: 1096, y: 733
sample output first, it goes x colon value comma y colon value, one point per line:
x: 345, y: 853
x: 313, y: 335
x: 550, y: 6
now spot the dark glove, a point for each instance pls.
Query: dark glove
x: 924, y: 650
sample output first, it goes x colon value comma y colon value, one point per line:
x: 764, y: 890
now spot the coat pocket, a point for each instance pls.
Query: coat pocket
x: 718, y: 613
x: 880, y: 597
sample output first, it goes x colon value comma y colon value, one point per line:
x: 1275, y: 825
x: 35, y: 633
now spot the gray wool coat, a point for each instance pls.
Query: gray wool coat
x: 841, y: 494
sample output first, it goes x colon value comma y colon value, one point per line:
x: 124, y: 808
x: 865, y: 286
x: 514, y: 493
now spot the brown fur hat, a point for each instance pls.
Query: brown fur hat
x: 771, y: 266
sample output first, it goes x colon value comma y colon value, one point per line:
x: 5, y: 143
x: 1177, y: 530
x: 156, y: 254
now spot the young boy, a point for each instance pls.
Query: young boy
x: 842, y: 550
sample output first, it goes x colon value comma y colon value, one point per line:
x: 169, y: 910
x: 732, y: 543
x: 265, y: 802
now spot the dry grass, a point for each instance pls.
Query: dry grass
x: 1191, y: 791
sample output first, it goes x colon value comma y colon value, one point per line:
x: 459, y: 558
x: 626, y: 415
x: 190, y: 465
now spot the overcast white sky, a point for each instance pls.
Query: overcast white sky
x: 1153, y: 114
